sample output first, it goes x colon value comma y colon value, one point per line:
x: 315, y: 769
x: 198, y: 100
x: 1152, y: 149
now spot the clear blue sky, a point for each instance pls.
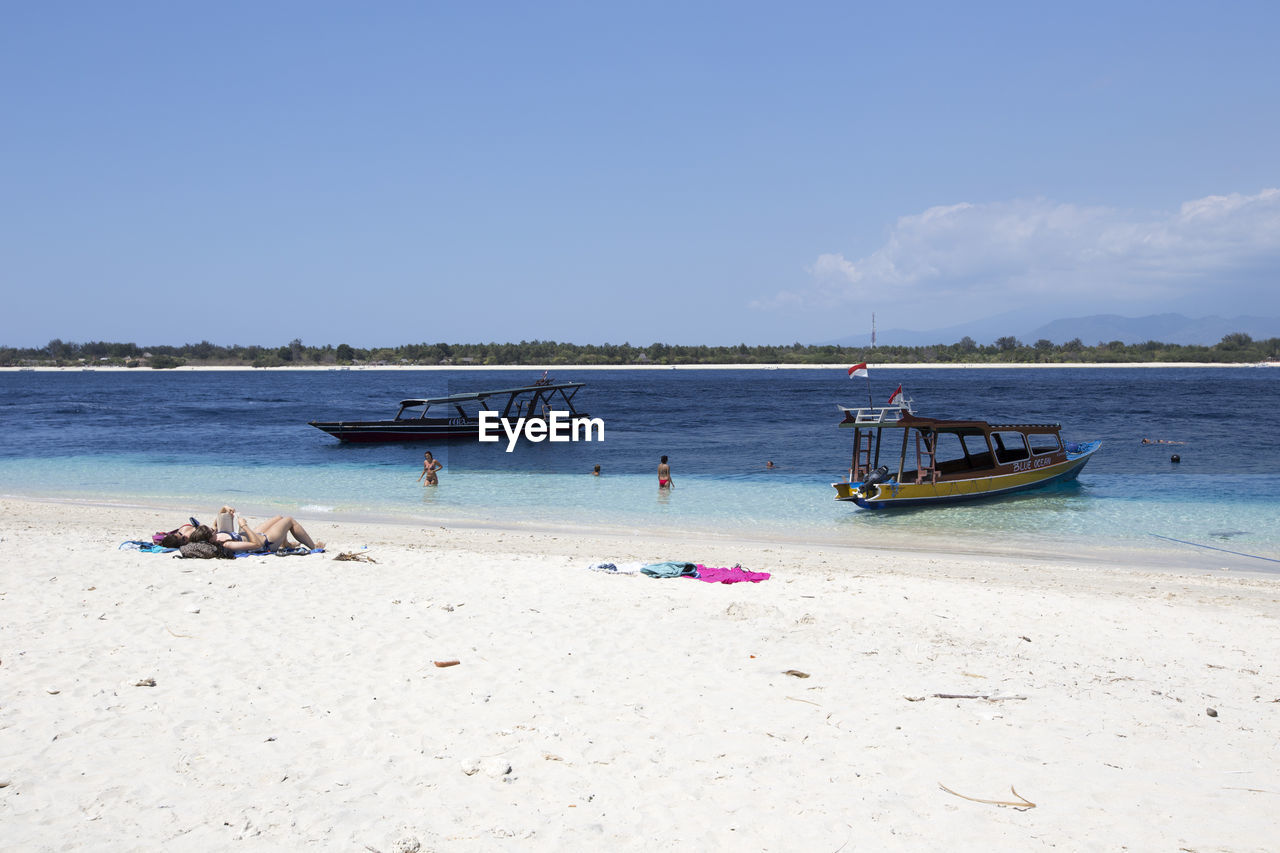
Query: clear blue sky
x: 391, y: 172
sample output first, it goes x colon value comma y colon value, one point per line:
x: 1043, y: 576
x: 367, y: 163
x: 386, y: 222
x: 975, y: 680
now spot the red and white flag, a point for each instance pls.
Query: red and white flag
x: 896, y: 397
x: 858, y: 370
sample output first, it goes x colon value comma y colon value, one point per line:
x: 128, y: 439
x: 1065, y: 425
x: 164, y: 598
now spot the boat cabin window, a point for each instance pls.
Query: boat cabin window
x: 1045, y: 442
x: 977, y: 446
x: 957, y: 452
x: 1010, y: 446
x: 949, y: 448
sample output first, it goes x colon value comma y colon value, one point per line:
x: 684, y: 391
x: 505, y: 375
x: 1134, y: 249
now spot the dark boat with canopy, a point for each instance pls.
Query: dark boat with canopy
x: 457, y: 416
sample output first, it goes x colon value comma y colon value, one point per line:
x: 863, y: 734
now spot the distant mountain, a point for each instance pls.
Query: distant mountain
x: 1166, y: 328
x: 984, y: 331
x: 1026, y: 327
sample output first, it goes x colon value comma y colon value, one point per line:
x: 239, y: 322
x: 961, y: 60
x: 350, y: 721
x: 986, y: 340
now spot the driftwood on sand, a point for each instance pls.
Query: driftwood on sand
x: 354, y: 557
x: 1023, y: 803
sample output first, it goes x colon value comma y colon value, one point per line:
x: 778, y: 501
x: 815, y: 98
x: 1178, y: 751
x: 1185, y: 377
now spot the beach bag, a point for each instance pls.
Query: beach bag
x: 202, y: 551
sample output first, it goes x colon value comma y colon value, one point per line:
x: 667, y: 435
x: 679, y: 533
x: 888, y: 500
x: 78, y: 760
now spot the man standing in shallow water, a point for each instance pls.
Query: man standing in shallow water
x: 664, y: 475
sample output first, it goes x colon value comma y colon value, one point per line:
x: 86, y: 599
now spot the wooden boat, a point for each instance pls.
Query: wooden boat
x: 944, y: 461
x: 458, y: 415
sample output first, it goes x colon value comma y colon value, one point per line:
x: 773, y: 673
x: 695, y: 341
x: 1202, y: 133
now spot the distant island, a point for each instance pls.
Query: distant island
x: 1234, y: 348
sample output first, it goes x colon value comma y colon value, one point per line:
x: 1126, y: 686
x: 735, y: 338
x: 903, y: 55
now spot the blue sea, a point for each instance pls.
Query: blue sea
x: 194, y: 439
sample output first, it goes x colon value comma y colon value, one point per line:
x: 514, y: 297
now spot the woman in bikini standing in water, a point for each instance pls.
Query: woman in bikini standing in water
x: 430, y: 465
x: 664, y: 475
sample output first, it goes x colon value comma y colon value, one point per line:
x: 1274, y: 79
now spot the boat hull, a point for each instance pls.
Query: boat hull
x: 414, y: 429
x: 364, y: 432
x: 886, y: 495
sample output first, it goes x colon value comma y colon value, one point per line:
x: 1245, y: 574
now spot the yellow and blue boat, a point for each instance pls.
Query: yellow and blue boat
x: 944, y: 461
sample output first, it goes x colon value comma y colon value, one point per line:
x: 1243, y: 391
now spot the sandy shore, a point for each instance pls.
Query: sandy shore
x: 296, y: 702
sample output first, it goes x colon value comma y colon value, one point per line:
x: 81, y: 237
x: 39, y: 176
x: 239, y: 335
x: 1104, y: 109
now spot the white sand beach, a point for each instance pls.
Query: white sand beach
x: 269, y: 703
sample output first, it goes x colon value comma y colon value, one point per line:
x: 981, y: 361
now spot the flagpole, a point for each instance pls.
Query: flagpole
x: 861, y: 367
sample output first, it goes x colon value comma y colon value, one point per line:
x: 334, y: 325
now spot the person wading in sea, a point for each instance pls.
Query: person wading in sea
x: 664, y: 475
x: 430, y: 465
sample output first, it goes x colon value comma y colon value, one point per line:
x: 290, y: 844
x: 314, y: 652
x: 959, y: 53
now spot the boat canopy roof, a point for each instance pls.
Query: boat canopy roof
x: 894, y: 417
x: 483, y: 395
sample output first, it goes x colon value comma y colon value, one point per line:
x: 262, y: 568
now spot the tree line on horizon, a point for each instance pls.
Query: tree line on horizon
x: 1237, y: 347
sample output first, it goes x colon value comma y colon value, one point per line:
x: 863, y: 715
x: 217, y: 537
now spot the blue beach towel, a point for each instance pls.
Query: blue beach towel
x: 670, y: 569
x: 144, y: 547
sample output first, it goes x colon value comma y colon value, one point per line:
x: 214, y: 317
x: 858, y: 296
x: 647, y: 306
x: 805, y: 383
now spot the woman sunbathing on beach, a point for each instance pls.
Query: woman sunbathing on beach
x: 270, y: 535
x: 181, y: 535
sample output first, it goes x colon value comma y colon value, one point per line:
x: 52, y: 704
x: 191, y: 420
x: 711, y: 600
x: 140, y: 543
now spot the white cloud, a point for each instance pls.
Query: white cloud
x: 1002, y: 255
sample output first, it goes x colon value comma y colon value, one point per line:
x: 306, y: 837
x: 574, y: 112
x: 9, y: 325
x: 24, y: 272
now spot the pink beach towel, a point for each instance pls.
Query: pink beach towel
x: 734, y: 575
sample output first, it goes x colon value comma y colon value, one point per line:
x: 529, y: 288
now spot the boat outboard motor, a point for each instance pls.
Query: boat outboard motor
x: 880, y: 475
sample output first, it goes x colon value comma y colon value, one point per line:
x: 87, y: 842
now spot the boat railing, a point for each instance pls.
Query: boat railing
x: 875, y: 415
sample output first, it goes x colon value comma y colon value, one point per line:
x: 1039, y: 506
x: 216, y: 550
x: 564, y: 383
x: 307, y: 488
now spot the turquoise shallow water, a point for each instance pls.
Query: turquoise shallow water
x: 1083, y: 515
x: 146, y: 438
